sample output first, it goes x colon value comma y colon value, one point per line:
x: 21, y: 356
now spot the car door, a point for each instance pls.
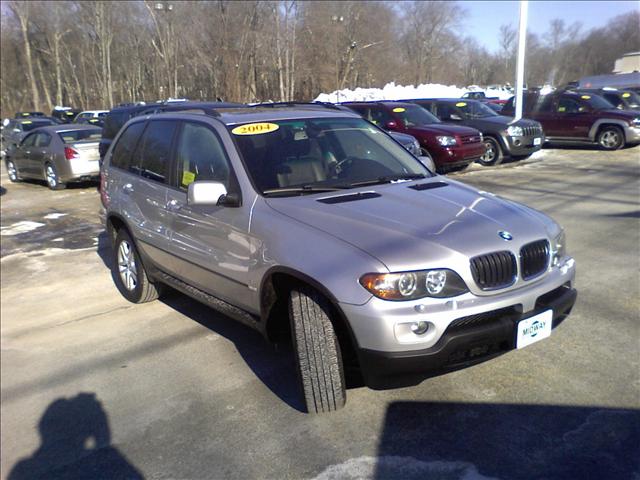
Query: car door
x: 573, y: 119
x: 22, y: 155
x: 39, y: 153
x: 148, y: 189
x: 210, y: 245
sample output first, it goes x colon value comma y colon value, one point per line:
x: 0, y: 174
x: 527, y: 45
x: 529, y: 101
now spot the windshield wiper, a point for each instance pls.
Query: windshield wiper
x: 389, y: 179
x: 302, y: 190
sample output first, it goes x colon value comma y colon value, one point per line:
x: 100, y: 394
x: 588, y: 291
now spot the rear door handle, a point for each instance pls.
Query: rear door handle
x: 173, y: 205
x: 127, y: 188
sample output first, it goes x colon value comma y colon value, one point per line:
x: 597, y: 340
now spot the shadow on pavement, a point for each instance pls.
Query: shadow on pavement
x: 457, y: 440
x: 275, y: 368
x: 75, y: 443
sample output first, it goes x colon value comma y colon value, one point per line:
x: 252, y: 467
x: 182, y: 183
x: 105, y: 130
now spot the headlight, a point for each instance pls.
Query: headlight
x: 447, y: 141
x: 439, y: 283
x: 514, y: 131
x: 558, y: 248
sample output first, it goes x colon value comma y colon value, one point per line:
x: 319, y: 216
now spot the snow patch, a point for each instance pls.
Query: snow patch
x: 50, y: 216
x: 391, y: 91
x: 20, y: 227
x: 407, y: 468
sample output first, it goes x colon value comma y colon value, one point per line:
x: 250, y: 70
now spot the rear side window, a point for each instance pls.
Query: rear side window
x: 200, y: 156
x: 155, y: 149
x: 123, y: 151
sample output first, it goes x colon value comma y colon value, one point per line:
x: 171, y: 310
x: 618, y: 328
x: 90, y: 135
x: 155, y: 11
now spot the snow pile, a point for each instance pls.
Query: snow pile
x: 391, y: 91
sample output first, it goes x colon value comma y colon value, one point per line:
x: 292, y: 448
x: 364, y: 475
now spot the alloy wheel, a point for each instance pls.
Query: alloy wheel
x: 610, y: 139
x: 127, y: 266
x: 52, y: 176
x: 490, y: 153
x: 11, y: 171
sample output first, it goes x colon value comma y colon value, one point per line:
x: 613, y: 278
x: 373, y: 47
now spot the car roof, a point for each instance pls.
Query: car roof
x: 406, y: 103
x: 94, y: 111
x: 448, y: 100
x: 265, y: 114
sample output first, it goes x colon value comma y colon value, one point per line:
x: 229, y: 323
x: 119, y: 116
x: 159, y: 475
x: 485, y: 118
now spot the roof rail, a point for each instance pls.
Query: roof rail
x: 296, y: 104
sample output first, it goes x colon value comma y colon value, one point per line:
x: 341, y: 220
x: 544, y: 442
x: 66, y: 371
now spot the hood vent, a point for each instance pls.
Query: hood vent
x: 428, y: 186
x: 349, y: 198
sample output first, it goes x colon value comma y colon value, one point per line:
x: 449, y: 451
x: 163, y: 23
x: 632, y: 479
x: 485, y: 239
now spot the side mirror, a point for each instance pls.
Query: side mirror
x: 455, y: 116
x: 390, y: 125
x: 206, y: 193
x: 427, y: 162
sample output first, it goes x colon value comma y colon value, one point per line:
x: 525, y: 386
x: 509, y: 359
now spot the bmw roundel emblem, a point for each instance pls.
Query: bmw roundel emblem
x: 505, y: 235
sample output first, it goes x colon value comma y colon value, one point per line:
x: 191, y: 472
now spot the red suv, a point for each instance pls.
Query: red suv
x: 452, y: 147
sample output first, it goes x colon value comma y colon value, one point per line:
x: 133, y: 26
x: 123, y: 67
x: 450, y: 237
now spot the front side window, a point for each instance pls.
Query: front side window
x: 29, y: 140
x: 200, y: 156
x: 155, y: 149
x: 123, y: 151
x: 293, y: 157
x: 42, y: 139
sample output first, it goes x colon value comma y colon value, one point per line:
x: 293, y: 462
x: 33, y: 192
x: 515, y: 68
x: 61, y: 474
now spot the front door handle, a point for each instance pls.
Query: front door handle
x: 127, y: 188
x: 173, y: 205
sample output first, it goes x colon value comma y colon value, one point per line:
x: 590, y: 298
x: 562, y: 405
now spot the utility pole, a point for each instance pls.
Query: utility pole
x: 522, y: 39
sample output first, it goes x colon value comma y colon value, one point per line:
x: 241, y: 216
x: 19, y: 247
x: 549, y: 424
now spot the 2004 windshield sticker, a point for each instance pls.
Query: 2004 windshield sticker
x: 255, y: 128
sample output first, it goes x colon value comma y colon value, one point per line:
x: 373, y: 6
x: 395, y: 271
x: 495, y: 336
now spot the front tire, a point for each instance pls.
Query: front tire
x: 611, y: 138
x: 12, y: 171
x: 317, y: 351
x: 493, y: 155
x: 129, y: 274
x: 52, y: 178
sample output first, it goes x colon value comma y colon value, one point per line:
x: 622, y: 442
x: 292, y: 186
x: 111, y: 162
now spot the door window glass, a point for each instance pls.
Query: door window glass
x: 42, y: 140
x: 200, y: 156
x: 567, y: 105
x: 29, y: 141
x: 127, y: 142
x: 154, y: 151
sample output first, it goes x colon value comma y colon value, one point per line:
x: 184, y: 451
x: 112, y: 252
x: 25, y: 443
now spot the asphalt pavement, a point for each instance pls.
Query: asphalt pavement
x: 95, y: 387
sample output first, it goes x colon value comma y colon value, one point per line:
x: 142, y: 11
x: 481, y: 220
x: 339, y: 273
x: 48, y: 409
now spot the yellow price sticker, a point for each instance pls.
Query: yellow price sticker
x: 255, y: 128
x: 399, y: 110
x: 562, y: 109
x: 626, y: 95
x: 585, y: 97
x: 25, y: 114
x: 188, y: 177
x: 26, y: 122
x: 461, y: 104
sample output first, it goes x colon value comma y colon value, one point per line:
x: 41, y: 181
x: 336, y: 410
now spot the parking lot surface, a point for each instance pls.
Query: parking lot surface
x: 96, y: 387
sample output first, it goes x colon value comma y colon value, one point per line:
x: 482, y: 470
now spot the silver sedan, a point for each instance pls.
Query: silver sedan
x: 58, y: 154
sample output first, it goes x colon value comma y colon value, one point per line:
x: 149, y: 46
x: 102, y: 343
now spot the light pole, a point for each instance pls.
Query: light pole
x: 167, y: 9
x: 338, y: 19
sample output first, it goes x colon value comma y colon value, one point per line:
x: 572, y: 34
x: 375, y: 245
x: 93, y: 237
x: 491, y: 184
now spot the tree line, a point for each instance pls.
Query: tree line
x: 96, y: 54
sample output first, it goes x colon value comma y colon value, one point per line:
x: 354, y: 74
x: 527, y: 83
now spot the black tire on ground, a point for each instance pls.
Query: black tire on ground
x: 12, y: 171
x: 493, y: 155
x: 51, y: 177
x: 611, y: 137
x: 317, y: 351
x: 129, y: 274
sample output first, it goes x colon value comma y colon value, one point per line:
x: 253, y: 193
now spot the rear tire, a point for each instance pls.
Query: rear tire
x: 52, y: 178
x: 493, y: 155
x: 12, y: 171
x: 317, y: 351
x: 611, y: 138
x: 129, y: 274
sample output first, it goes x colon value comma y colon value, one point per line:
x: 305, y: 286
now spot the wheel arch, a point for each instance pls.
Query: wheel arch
x: 597, y: 127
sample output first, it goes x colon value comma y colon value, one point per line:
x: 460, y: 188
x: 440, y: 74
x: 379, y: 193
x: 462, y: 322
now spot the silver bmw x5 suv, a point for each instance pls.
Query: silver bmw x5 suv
x: 314, y: 226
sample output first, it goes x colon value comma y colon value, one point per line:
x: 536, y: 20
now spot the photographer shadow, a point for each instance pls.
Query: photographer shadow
x: 75, y: 442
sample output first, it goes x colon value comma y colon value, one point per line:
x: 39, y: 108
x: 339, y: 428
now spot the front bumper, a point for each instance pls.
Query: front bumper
x: 524, y: 145
x: 632, y: 134
x: 456, y: 156
x: 468, y: 341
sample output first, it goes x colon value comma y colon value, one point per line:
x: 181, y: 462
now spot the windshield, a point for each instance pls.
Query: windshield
x: 72, y: 136
x: 475, y: 110
x: 293, y: 157
x: 414, y: 116
x: 29, y: 125
x: 632, y: 99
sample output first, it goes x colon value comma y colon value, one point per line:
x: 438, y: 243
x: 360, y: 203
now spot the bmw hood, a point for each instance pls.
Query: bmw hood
x: 410, y: 229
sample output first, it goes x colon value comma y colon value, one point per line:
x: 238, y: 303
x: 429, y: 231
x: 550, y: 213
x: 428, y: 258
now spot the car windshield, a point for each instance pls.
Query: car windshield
x: 72, y: 136
x: 475, y: 110
x: 632, y: 99
x: 28, y: 125
x: 295, y: 157
x: 414, y: 115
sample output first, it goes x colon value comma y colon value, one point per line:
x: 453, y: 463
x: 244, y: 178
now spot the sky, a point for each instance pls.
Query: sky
x: 484, y: 18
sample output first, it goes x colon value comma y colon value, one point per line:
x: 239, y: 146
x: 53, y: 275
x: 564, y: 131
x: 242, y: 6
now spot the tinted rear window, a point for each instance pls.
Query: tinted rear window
x: 123, y: 150
x: 27, y: 126
x: 155, y: 149
x: 73, y: 136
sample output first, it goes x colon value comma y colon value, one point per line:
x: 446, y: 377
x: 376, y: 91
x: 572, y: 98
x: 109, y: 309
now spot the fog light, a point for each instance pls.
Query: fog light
x: 419, y: 328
